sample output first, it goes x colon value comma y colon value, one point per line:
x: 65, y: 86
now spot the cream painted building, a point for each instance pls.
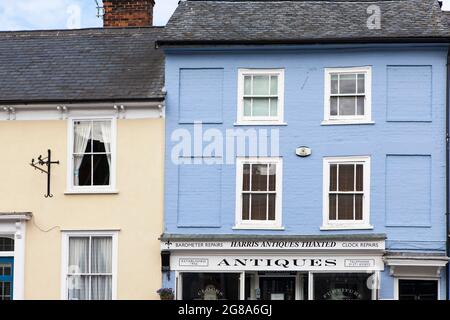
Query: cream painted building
x: 95, y: 99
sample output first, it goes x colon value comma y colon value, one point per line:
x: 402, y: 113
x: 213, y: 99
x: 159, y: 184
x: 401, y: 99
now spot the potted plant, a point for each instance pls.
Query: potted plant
x: 166, y: 293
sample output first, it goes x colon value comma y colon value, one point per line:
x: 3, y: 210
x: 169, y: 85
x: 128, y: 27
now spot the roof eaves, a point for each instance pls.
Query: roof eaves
x: 443, y: 39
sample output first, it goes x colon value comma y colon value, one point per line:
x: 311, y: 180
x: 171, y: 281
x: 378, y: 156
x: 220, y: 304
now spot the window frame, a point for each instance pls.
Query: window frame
x: 66, y: 235
x: 347, y: 224
x: 356, y: 119
x: 71, y: 188
x: 259, y: 224
x: 243, y: 120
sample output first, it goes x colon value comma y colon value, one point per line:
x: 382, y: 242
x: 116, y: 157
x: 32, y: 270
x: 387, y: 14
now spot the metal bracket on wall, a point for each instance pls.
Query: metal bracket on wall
x: 40, y: 163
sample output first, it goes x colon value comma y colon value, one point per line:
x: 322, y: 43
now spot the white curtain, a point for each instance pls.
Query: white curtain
x: 78, y: 286
x: 94, y: 284
x: 101, y: 263
x: 82, y: 136
x: 106, y: 138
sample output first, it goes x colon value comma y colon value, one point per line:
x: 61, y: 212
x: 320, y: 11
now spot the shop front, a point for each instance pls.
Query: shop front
x: 295, y: 268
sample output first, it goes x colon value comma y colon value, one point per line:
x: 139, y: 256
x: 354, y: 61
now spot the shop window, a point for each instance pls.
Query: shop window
x: 342, y: 286
x: 417, y: 289
x: 211, y: 286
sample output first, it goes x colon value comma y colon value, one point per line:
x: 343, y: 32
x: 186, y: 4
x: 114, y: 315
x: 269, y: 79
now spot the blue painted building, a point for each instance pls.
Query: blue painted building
x: 306, y: 150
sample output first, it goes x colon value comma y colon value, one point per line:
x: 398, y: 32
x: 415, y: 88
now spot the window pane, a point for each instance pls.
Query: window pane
x: 6, y: 244
x: 274, y: 107
x: 78, y: 287
x: 247, y: 107
x: 347, y: 106
x: 333, y: 106
x: 259, y: 207
x: 334, y: 84
x: 78, y: 255
x: 82, y: 136
x: 101, y: 251
x: 261, y: 107
x: 5, y: 269
x: 332, y: 207
x: 272, y: 176
x: 101, y: 167
x: 101, y: 136
x: 246, y: 178
x: 101, y: 288
x: 272, y: 198
x: 361, y: 83
x: 345, y: 207
x: 82, y: 170
x: 5, y: 290
x: 245, y: 207
x: 346, y: 177
x: 333, y: 177
x: 347, y: 83
x: 358, y: 207
x: 360, y: 106
x: 274, y: 85
x: 259, y: 177
x: 247, y: 85
x: 261, y: 85
x: 359, y: 177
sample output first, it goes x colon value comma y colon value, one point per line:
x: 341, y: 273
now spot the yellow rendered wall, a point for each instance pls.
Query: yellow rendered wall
x: 137, y: 210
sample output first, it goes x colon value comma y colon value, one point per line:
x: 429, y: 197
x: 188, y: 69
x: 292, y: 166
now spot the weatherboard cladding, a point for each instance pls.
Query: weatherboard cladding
x: 303, y: 21
x: 81, y: 65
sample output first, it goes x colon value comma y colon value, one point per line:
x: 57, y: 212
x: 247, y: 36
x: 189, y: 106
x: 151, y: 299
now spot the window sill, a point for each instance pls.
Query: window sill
x: 345, y: 122
x: 250, y: 227
x: 346, y: 227
x: 260, y: 123
x: 75, y: 192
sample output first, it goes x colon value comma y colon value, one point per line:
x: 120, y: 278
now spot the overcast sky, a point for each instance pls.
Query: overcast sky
x: 62, y: 14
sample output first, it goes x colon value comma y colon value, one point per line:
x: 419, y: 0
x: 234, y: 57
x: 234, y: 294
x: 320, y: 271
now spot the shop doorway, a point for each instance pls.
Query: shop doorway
x: 277, y: 288
x: 417, y: 289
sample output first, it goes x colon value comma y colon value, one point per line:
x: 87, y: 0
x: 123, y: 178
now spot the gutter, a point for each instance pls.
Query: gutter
x: 79, y: 101
x: 443, y: 39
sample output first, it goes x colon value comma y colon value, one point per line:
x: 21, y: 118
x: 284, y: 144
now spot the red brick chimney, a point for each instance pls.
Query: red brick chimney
x: 128, y: 13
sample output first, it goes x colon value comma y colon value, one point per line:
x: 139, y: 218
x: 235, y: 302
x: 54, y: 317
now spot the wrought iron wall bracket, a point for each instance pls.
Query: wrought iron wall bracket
x: 40, y: 165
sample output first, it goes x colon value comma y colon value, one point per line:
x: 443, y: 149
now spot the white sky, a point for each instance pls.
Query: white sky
x: 62, y: 14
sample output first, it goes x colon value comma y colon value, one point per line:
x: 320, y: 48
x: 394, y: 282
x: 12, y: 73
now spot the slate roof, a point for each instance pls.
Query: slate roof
x: 304, y: 21
x: 81, y: 65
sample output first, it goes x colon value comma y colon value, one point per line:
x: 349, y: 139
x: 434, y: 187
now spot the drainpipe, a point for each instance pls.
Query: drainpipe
x: 447, y: 176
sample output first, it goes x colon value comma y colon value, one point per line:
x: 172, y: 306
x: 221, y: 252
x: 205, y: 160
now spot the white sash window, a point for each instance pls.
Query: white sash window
x: 92, y: 155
